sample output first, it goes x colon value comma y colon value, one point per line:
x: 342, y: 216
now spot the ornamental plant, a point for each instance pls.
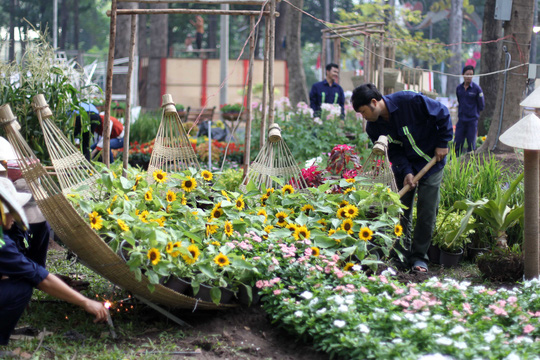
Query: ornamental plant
x: 231, y: 108
x: 343, y: 157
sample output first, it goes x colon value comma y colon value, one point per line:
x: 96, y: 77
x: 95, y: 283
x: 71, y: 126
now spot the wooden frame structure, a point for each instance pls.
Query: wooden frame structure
x: 270, y: 15
x: 368, y: 30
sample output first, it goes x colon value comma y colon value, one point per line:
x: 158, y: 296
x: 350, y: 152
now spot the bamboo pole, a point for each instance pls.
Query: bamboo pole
x: 265, y: 83
x: 367, y: 57
x: 127, y: 115
x: 381, y: 65
x: 531, y: 161
x: 355, y: 33
x: 337, y: 56
x: 247, y: 140
x: 271, y: 56
x: 190, y: 11
x: 355, y: 26
x: 323, y: 56
x: 108, y: 87
x: 232, y: 2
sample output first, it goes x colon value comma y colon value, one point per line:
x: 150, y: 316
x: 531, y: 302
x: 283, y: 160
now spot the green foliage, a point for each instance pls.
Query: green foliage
x: 448, y: 224
x: 230, y: 179
x: 145, y: 128
x: 231, y: 108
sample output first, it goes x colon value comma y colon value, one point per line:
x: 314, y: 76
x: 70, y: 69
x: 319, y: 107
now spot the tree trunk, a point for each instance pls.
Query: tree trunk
x: 158, y: 42
x: 489, y: 62
x: 64, y: 19
x: 121, y: 49
x: 76, y: 27
x: 519, y: 27
x: 281, y: 31
x: 454, y: 37
x: 297, y: 83
x: 12, y: 31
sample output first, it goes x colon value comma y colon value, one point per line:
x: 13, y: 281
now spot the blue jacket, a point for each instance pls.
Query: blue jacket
x: 322, y: 93
x: 17, y: 266
x: 417, y: 125
x: 471, y: 102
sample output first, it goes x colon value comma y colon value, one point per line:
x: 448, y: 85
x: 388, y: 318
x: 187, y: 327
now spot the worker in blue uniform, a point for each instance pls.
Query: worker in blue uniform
x: 327, y: 91
x: 471, y: 101
x: 22, y: 267
x: 418, y: 129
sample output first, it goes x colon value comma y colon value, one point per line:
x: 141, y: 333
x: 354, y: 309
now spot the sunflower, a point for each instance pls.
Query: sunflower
x: 194, y: 251
x: 228, y: 228
x: 315, y: 251
x: 217, y: 211
x: 222, y: 260
x: 168, y: 209
x: 281, y: 216
x: 240, y: 204
x: 211, y: 229
x: 122, y: 225
x: 351, y: 181
x: 365, y: 234
x: 114, y: 198
x: 126, y: 197
x: 148, y: 196
x: 348, y: 190
x: 142, y: 216
x: 96, y: 222
x: 301, y: 233
x: 263, y: 213
x: 154, y: 256
x: 263, y: 199
x: 268, y: 229
x: 224, y: 193
x: 291, y: 227
x: 160, y: 221
x: 341, y: 213
x: 169, y: 248
x: 398, y: 230
x: 331, y: 232
x: 269, y: 191
x: 287, y: 189
x: 348, y: 266
x: 183, y: 201
x: 171, y: 196
x: 323, y: 223
x: 347, y: 226
x: 306, y: 208
x: 351, y: 211
x: 189, y: 185
x: 175, y: 252
x: 215, y: 243
x: 160, y: 176
x: 207, y: 175
x: 343, y: 203
x: 109, y: 211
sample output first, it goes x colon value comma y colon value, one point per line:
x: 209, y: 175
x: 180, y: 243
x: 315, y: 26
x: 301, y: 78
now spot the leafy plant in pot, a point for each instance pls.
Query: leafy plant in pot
x: 449, y: 237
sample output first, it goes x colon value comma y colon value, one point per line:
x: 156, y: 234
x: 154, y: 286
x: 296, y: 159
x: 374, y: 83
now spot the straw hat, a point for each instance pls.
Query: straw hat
x: 6, y: 150
x: 31, y: 209
x: 523, y: 134
x: 9, y: 189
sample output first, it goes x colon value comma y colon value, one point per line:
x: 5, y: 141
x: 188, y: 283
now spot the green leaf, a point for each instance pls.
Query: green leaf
x: 324, y: 242
x: 215, y: 294
x: 207, y: 270
x: 126, y: 184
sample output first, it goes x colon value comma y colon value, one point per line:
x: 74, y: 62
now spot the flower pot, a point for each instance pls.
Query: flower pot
x: 434, y: 254
x: 448, y: 259
x: 243, y: 297
x: 177, y: 284
x: 204, y: 294
x: 474, y: 252
x: 232, y: 116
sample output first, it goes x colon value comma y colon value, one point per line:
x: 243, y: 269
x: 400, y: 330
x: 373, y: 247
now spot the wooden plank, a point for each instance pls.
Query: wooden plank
x: 189, y: 11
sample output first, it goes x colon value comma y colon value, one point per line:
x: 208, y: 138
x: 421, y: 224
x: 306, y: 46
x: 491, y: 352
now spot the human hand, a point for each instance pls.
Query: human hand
x: 98, y: 309
x: 440, y: 153
x: 409, y: 181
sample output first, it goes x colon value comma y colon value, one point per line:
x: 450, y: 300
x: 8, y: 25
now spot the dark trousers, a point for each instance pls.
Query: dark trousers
x: 15, y: 294
x: 198, y: 40
x: 465, y: 130
x: 427, y: 206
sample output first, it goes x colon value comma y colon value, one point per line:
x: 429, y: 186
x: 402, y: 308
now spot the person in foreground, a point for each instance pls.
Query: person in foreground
x: 418, y: 129
x: 22, y: 268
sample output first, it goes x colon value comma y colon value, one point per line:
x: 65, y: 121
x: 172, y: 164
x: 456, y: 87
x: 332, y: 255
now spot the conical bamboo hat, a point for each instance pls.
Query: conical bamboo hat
x: 533, y: 100
x: 525, y: 134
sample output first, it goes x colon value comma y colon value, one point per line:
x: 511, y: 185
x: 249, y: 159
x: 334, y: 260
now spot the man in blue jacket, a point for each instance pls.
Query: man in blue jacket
x: 418, y: 129
x: 471, y: 102
x: 327, y: 91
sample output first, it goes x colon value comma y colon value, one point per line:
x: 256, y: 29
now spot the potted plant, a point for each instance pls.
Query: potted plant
x: 231, y: 112
x: 181, y: 111
x: 447, y: 226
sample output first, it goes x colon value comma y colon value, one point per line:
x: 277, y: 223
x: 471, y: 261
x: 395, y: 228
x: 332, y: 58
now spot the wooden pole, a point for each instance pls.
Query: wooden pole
x: 355, y: 33
x: 342, y: 28
x: 381, y: 65
x: 235, y: 2
x: 265, y: 82
x: 247, y: 140
x: 271, y: 56
x: 323, y: 57
x: 531, y: 184
x: 367, y: 57
x: 190, y: 11
x: 108, y: 87
x: 127, y: 115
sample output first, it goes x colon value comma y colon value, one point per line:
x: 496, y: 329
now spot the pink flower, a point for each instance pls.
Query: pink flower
x: 277, y: 292
x: 528, y: 328
x: 383, y: 279
x: 256, y: 258
x: 418, y: 304
x: 364, y: 290
x: 512, y: 299
x: 259, y: 284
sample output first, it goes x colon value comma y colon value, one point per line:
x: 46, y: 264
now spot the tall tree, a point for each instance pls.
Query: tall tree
x: 281, y: 30
x: 158, y: 42
x: 519, y: 27
x: 490, y: 60
x: 454, y: 37
x: 64, y: 10
x: 12, y: 31
x: 297, y: 83
x: 121, y: 48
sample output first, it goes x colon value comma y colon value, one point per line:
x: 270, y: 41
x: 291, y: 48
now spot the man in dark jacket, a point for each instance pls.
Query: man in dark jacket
x: 471, y: 101
x: 418, y: 128
x: 327, y: 91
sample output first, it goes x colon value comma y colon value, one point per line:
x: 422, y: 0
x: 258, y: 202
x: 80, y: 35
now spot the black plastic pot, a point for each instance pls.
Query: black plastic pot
x: 177, y: 284
x: 448, y: 259
x: 434, y: 254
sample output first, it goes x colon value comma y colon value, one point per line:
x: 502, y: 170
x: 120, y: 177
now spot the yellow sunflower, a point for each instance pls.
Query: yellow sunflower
x: 281, y: 216
x: 341, y: 213
x: 183, y: 201
x: 222, y: 260
x: 215, y: 243
x: 96, y: 222
x: 195, y: 252
x: 306, y: 208
x: 154, y: 256
x: 348, y: 266
x: 331, y: 232
x: 189, y: 185
x: 301, y: 233
x: 114, y: 198
x: 351, y: 211
x: 269, y: 191
x: 291, y: 227
x: 109, y: 211
x: 263, y: 213
x: 207, y: 175
x: 148, y: 196
x: 365, y: 234
x: 142, y: 216
x: 287, y: 189
x: 240, y: 204
x: 217, y: 211
x: 175, y: 252
x: 268, y: 229
x: 169, y: 248
x: 211, y: 229
x: 228, y: 228
x: 122, y: 225
x: 224, y: 193
x: 347, y: 225
x: 160, y: 176
x: 351, y: 181
x: 126, y: 197
x: 343, y: 203
x: 171, y: 196
x: 263, y: 199
x: 315, y: 251
x: 398, y: 230
x: 348, y: 190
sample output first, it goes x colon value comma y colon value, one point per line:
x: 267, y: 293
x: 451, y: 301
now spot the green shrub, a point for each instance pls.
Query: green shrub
x: 230, y: 179
x: 145, y: 128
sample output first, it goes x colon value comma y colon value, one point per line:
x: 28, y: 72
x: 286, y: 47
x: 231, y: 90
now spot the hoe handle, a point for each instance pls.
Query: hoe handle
x: 418, y: 176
